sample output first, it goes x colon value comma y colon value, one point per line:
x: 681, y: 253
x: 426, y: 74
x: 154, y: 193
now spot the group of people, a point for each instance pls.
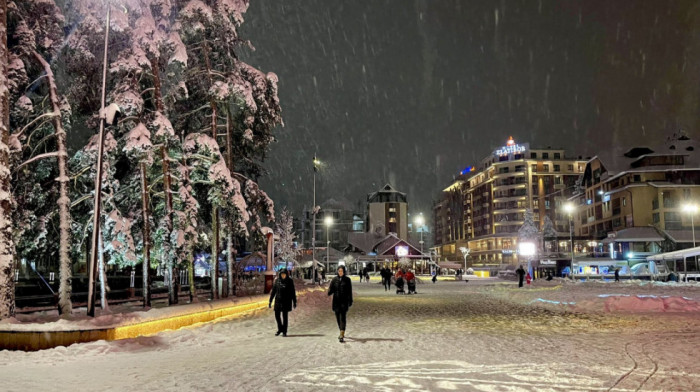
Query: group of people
x: 285, y: 297
x: 408, y: 277
x: 364, y: 274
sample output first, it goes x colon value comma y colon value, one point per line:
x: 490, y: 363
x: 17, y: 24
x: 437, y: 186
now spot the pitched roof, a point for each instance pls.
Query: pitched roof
x: 387, y: 192
x: 638, y: 234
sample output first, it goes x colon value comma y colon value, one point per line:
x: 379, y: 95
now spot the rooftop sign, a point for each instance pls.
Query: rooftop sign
x: 511, y: 148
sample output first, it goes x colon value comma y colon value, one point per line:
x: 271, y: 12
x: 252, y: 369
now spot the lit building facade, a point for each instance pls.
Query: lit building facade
x: 639, y: 190
x: 345, y: 219
x: 483, y: 209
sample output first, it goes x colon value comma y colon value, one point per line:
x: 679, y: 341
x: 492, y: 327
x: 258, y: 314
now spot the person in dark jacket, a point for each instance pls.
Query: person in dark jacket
x: 285, y: 297
x: 521, y: 275
x: 386, y: 276
x: 341, y: 290
x: 617, y: 274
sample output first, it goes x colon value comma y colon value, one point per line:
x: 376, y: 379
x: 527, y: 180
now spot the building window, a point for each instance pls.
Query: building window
x: 533, y: 155
x: 557, y: 155
x: 545, y: 155
x: 557, y: 168
x: 557, y: 179
x: 545, y: 168
x: 655, y: 217
x: 534, y: 168
x: 580, y: 167
x: 570, y: 167
x: 637, y: 178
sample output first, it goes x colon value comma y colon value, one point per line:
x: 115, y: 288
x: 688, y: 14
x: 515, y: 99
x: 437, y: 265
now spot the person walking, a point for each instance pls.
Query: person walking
x: 285, y: 297
x: 617, y: 274
x: 386, y: 273
x: 341, y: 290
x: 434, y: 273
x: 521, y: 275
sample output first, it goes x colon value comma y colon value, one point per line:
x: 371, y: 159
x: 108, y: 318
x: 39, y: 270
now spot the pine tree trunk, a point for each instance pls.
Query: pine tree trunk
x: 7, y: 249
x: 230, y: 251
x: 167, y: 251
x: 103, y: 278
x: 215, y: 253
x: 146, y: 238
x: 65, y: 306
x: 230, y: 257
x: 190, y: 273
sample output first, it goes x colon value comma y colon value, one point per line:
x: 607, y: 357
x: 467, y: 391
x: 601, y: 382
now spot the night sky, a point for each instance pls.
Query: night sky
x: 411, y: 92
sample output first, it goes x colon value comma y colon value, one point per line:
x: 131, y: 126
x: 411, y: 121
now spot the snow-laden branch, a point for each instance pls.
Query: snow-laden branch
x: 50, y: 116
x: 36, y: 158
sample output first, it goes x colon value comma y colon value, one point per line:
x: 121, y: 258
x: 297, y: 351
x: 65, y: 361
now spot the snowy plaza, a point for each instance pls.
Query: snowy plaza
x: 484, y: 335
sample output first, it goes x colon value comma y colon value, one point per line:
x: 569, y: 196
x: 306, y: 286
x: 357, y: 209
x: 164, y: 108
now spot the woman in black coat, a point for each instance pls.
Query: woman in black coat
x: 341, y: 290
x: 285, y: 297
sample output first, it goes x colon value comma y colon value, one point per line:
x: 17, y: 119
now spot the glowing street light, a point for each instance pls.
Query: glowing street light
x: 314, y: 211
x: 465, y: 253
x: 329, y: 222
x: 420, y: 222
x: 690, y: 209
x: 569, y: 208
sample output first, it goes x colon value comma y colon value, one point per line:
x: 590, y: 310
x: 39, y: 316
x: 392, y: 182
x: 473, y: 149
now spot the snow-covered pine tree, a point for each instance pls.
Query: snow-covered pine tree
x: 284, y: 229
x: 209, y: 29
x: 529, y: 232
x: 37, y: 26
x: 548, y: 231
x: 7, y: 249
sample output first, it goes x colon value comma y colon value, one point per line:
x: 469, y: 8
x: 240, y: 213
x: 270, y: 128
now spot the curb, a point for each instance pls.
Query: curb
x: 189, y: 314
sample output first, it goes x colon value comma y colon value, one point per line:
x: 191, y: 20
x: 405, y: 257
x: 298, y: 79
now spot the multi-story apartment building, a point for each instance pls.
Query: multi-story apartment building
x: 345, y: 219
x: 387, y: 212
x: 643, y: 189
x: 485, y: 206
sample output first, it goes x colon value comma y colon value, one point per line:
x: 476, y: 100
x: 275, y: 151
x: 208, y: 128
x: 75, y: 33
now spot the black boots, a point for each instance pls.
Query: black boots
x: 341, y: 338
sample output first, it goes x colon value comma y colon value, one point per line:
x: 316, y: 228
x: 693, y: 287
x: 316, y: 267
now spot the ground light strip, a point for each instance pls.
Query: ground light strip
x: 39, y: 340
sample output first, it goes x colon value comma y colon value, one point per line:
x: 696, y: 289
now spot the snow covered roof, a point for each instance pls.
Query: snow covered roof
x: 366, y: 242
x: 338, y: 204
x: 676, y: 255
x: 619, y: 159
x: 638, y: 234
x: 680, y: 236
x: 386, y: 194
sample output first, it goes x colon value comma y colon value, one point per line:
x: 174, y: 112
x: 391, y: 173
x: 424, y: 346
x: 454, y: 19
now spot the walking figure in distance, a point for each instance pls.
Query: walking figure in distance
x: 521, y: 275
x: 341, y: 290
x: 285, y: 297
x: 617, y: 274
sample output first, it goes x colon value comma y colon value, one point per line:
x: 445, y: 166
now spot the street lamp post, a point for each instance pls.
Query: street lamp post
x: 328, y: 221
x: 465, y: 252
x: 690, y: 209
x: 569, y: 208
x: 95, y: 249
x: 419, y: 224
x: 313, y: 225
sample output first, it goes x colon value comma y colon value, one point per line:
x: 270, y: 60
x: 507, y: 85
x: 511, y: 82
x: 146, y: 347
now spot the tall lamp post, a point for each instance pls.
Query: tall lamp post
x: 313, y: 225
x: 690, y: 209
x: 328, y: 221
x: 97, y: 214
x: 569, y: 208
x: 465, y: 253
x: 419, y: 221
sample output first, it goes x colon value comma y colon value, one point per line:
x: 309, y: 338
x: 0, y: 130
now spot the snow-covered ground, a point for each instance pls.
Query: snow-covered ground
x: 485, y: 335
